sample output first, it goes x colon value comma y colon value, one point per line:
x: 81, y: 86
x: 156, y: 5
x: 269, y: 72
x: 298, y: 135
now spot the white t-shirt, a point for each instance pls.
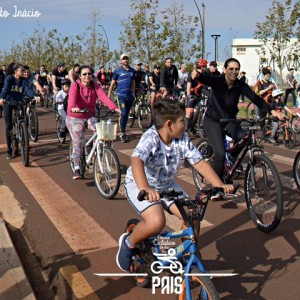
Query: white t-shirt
x: 161, y: 161
x: 61, y: 95
x: 182, y: 77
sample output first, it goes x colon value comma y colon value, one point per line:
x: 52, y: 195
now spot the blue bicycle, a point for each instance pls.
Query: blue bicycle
x: 182, y: 261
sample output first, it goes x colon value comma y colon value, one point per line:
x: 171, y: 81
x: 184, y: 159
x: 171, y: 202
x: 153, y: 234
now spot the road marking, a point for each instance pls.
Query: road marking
x: 78, y: 283
x: 78, y: 229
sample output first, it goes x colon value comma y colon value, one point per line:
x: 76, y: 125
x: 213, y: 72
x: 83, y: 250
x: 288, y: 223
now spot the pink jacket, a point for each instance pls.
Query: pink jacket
x: 82, y: 97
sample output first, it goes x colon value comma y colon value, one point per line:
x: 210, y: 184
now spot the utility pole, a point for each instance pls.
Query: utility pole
x: 202, y: 24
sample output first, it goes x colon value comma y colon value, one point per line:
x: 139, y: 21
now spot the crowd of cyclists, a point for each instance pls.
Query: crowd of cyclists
x: 162, y: 149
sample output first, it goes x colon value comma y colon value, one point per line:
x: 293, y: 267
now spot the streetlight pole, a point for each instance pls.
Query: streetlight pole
x: 215, y: 37
x: 202, y: 24
x: 106, y: 41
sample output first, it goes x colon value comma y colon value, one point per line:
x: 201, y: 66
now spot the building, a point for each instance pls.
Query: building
x: 246, y: 51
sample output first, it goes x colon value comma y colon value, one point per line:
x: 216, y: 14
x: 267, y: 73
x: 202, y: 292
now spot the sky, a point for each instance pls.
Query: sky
x: 229, y: 18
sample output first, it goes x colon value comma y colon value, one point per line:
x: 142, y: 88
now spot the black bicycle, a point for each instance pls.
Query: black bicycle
x: 262, y: 184
x: 32, y: 118
x: 141, y: 111
x: 19, y: 133
x: 58, y: 121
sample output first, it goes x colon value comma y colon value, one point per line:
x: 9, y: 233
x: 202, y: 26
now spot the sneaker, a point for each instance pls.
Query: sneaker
x: 9, y: 156
x: 62, y: 134
x: 272, y: 140
x: 130, y: 116
x: 124, y: 255
x: 124, y: 138
x: 76, y: 174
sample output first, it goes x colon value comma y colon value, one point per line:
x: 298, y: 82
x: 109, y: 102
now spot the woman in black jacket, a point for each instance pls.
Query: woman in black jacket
x: 223, y: 104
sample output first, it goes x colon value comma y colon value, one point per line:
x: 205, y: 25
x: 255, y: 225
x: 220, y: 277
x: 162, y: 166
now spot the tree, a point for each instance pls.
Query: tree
x: 138, y: 38
x: 151, y: 34
x: 177, y: 34
x: 277, y: 31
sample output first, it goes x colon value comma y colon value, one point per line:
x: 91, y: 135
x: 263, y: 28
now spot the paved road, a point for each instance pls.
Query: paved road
x: 65, y: 232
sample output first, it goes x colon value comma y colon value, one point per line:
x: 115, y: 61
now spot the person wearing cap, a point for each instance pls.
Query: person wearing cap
x: 213, y: 69
x: 291, y: 84
x: 168, y: 77
x: 125, y: 77
x: 140, y: 79
x: 154, y: 83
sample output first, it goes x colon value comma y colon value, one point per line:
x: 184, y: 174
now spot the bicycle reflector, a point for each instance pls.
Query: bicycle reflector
x: 202, y: 198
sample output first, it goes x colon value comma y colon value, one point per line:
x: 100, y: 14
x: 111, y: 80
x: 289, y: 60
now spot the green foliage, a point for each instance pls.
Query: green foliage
x: 151, y: 35
x: 276, y: 32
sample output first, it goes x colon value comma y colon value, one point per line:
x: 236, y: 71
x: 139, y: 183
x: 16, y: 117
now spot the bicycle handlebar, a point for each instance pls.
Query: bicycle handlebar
x: 211, y: 193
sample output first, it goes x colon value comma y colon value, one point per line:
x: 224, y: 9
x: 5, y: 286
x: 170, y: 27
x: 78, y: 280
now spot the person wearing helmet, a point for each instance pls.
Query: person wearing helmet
x: 278, y: 106
x: 194, y: 91
x: 58, y: 74
x: 223, y: 104
x: 61, y: 101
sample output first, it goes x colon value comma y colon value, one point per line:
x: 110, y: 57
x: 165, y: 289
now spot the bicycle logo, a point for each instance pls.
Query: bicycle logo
x: 175, y: 266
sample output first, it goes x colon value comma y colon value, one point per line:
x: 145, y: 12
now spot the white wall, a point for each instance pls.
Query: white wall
x: 245, y: 51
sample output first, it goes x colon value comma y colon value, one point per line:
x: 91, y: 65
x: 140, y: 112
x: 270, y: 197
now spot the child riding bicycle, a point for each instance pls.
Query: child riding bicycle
x: 154, y: 164
x: 62, y: 104
x: 278, y: 106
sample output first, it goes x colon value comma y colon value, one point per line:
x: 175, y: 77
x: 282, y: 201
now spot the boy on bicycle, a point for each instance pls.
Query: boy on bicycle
x: 61, y: 100
x: 278, y: 106
x: 155, y: 161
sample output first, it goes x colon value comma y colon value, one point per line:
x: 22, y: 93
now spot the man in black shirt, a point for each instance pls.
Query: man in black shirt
x: 58, y: 74
x: 154, y: 82
x: 2, y: 77
x: 168, y: 77
x: 140, y: 79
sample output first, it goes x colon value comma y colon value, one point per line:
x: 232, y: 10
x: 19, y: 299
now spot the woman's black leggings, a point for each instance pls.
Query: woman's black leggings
x: 215, y: 135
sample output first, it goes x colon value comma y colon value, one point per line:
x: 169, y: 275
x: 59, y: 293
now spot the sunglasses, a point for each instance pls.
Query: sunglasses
x: 125, y: 58
x: 86, y: 74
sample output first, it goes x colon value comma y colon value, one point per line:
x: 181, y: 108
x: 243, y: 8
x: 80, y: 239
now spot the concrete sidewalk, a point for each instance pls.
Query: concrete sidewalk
x: 13, y: 281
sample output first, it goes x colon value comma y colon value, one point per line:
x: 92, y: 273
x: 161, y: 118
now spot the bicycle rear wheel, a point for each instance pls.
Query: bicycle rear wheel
x: 296, y: 169
x: 144, y: 116
x: 263, y: 193
x: 206, y: 150
x: 24, y: 143
x: 201, y: 287
x: 107, y: 171
x: 142, y: 259
x: 33, y: 127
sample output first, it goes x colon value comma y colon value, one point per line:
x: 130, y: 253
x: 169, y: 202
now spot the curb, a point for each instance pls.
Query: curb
x: 13, y: 280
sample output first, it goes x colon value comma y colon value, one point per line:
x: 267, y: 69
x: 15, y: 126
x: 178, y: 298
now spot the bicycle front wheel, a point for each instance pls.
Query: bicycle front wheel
x: 205, y: 148
x: 33, y: 127
x: 295, y: 124
x: 296, y: 169
x: 24, y: 143
x: 144, y: 116
x: 263, y: 193
x: 289, y: 138
x: 201, y: 287
x: 107, y: 172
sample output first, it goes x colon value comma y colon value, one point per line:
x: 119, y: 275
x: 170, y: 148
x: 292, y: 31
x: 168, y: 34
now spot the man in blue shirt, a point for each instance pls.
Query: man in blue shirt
x: 125, y: 79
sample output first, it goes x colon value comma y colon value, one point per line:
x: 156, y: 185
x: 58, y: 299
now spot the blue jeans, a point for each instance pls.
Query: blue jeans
x: 125, y: 104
